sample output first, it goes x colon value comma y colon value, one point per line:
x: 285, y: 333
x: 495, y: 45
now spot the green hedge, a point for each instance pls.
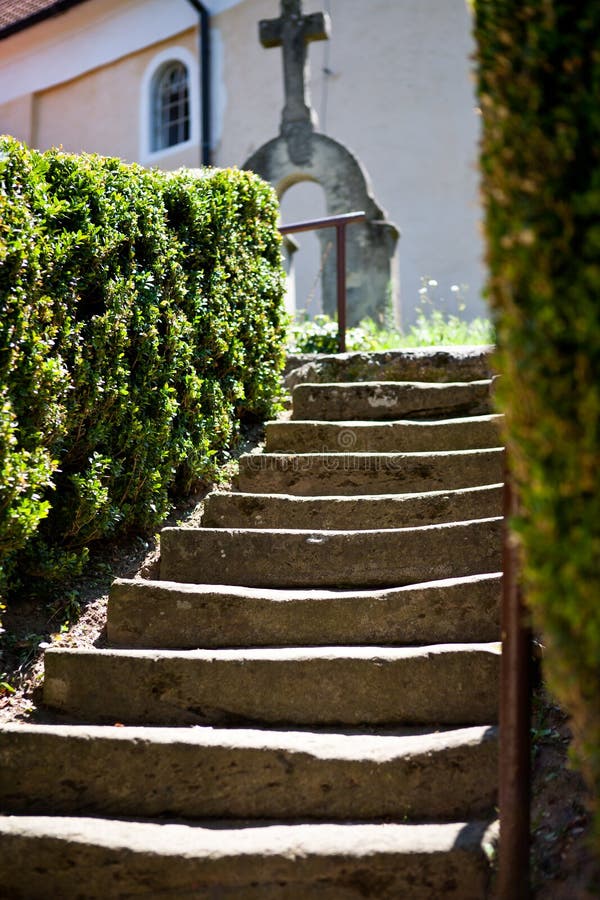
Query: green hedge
x: 539, y: 85
x: 141, y: 317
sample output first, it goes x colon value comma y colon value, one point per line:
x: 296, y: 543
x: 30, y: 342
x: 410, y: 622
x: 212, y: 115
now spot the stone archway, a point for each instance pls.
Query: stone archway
x: 302, y: 154
x: 371, y: 246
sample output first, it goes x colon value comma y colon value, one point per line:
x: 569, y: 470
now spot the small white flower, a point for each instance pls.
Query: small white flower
x: 422, y: 290
x: 432, y: 282
x: 455, y: 288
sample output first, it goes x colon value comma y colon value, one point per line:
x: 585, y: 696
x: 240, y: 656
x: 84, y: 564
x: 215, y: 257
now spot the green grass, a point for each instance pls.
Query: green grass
x: 319, y: 335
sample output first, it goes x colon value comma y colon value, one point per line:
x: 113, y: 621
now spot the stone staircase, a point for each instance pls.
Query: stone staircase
x: 304, y: 704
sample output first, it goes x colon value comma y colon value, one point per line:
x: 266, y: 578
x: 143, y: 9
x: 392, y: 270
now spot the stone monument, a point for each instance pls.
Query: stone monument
x: 300, y: 153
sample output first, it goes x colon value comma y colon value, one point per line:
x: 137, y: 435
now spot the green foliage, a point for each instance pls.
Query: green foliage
x: 437, y: 329
x: 141, y: 318
x: 319, y: 335
x: 539, y: 78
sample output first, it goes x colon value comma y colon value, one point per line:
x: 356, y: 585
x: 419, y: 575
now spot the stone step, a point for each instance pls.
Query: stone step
x: 183, y: 616
x: 326, y: 861
x: 453, y: 684
x: 197, y: 773
x: 403, y: 436
x: 326, y: 474
x: 268, y: 557
x: 237, y: 510
x: 382, y: 400
x: 408, y: 364
x: 171, y: 615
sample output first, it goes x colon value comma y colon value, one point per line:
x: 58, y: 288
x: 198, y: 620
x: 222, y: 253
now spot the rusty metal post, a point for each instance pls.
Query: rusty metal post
x: 339, y: 222
x: 340, y: 233
x: 515, y: 720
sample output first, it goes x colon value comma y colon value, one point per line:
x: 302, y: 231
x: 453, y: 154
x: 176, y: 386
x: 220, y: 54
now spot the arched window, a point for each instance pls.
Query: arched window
x: 170, y: 110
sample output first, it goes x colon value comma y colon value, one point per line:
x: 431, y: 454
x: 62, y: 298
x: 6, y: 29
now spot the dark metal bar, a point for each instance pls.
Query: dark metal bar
x: 206, y: 85
x: 339, y: 223
x: 515, y: 720
x: 205, y: 82
x: 340, y: 234
x: 325, y: 222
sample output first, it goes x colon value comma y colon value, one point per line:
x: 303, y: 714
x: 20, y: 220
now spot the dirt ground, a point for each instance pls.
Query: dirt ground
x: 562, y: 864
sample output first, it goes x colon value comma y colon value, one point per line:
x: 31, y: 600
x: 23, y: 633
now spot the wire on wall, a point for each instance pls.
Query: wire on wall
x: 327, y: 73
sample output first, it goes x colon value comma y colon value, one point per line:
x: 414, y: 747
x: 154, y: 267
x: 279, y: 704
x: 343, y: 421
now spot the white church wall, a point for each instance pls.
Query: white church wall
x: 118, y: 126
x: 400, y: 96
x: 86, y: 71
x: 252, y: 99
x: 16, y: 118
x: 307, y: 201
x: 84, y: 38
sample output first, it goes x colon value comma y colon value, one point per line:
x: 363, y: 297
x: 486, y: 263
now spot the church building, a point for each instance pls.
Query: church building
x: 182, y: 82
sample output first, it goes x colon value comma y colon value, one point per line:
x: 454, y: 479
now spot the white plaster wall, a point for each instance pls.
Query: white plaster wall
x: 16, y: 118
x: 76, y: 80
x: 113, y: 94
x: 249, y: 108
x: 84, y: 38
x: 307, y: 201
x: 401, y: 97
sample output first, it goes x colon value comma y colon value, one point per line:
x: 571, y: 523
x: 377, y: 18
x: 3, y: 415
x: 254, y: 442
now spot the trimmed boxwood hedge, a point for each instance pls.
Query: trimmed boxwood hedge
x: 141, y: 317
x: 539, y: 87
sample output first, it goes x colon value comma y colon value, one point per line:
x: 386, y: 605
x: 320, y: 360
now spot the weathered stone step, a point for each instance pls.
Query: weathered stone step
x: 442, y: 683
x: 408, y: 364
x: 391, y: 400
x: 237, y: 510
x: 183, y: 616
x: 120, y: 859
x: 286, y: 558
x: 326, y: 474
x: 246, y: 773
x: 403, y: 436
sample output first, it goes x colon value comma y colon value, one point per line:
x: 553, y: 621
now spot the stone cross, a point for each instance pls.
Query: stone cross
x: 293, y: 31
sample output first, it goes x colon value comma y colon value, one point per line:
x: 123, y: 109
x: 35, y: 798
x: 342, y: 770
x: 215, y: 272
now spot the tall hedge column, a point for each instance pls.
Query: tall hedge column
x: 539, y: 84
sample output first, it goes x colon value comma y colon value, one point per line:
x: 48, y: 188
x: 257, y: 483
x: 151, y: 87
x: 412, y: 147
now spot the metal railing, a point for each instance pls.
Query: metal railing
x: 514, y: 788
x: 339, y: 223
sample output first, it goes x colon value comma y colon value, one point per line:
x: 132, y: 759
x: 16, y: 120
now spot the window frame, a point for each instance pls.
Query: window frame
x: 170, y: 113
x: 152, y: 75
